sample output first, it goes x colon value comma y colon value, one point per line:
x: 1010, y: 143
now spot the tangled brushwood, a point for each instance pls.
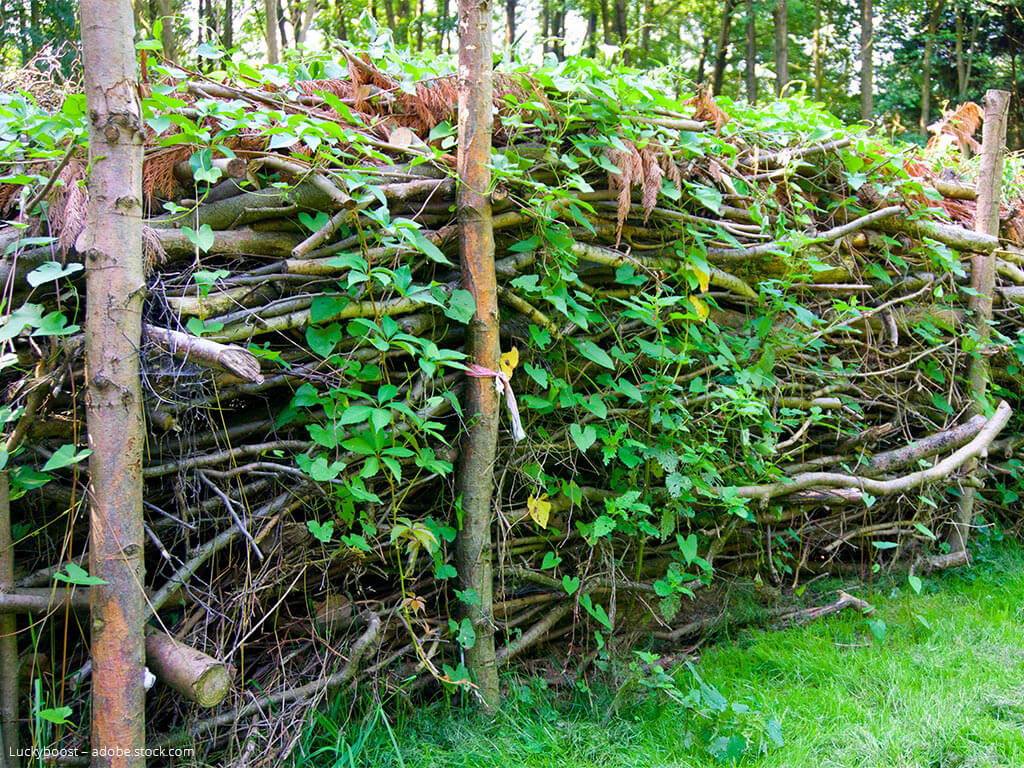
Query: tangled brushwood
x: 737, y: 340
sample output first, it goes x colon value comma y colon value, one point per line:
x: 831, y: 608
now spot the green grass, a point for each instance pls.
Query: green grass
x: 944, y: 689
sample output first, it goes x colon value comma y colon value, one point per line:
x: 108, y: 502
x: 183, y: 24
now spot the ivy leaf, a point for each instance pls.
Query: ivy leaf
x: 915, y: 583
x: 57, y: 716
x: 467, y: 635
x: 323, y: 340
x: 570, y: 584
x: 314, y: 223
x: 203, y: 239
x: 76, y: 574
x: 708, y: 196
x: 65, y: 456
x: 51, y: 270
x: 322, y: 532
x: 508, y: 361
x: 461, y: 306
x: 551, y: 560
x: 583, y: 437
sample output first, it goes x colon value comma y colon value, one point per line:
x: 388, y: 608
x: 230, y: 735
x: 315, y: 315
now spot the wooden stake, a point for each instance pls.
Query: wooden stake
x: 111, y: 244
x: 983, y: 278
x: 476, y: 248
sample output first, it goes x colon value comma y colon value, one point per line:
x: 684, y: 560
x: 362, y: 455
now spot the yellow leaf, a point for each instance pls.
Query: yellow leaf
x: 509, y: 361
x: 539, y: 509
x: 700, y: 307
x: 703, y: 278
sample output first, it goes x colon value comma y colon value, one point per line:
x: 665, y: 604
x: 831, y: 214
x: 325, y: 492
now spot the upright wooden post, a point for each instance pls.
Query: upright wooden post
x: 9, y: 741
x: 476, y: 249
x: 983, y: 281
x: 111, y: 245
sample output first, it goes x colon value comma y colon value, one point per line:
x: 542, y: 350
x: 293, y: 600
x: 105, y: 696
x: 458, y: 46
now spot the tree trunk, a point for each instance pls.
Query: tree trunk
x: 9, y: 738
x: 510, y: 22
x: 476, y: 249
x: 606, y: 25
x: 705, y: 45
x: 228, y: 37
x: 983, y: 278
x: 817, y: 57
x: 270, y: 10
x: 592, y: 33
x: 751, y: 54
x: 620, y: 28
x: 111, y: 245
x: 282, y: 35
x: 781, y: 46
x: 646, y: 24
x: 867, y: 60
x: 935, y: 11
x: 545, y: 25
x: 722, y: 49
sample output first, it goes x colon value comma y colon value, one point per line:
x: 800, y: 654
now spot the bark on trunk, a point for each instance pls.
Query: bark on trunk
x: 476, y: 248
x: 111, y: 245
x: 705, y: 44
x: 867, y: 60
x: 510, y: 22
x: 9, y: 739
x: 168, y: 38
x: 781, y: 46
x: 270, y: 10
x: 620, y: 28
x: 722, y: 49
x: 751, y: 54
x: 935, y: 11
x: 983, y: 276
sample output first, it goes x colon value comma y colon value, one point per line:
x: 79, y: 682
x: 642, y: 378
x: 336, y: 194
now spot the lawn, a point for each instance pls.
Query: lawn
x: 943, y: 687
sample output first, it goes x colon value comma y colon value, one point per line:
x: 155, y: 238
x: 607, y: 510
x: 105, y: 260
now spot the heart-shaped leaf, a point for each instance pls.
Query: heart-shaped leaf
x: 584, y: 437
x: 314, y: 223
x: 203, y: 239
x: 570, y: 584
x: 323, y: 340
x: 322, y: 532
x: 539, y: 509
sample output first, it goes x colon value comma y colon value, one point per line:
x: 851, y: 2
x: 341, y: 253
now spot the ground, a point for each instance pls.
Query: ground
x: 939, y: 683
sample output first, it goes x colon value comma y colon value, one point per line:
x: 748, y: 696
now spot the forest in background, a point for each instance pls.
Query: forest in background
x: 901, y: 69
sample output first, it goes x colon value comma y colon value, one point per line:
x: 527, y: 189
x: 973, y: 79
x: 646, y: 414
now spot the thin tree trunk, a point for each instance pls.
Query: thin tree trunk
x: 934, y: 13
x: 558, y: 32
x: 867, y: 60
x: 647, y: 23
x: 228, y: 36
x: 983, y: 278
x: 443, y: 41
x: 389, y: 15
x: 781, y: 45
x: 705, y: 45
x: 592, y: 33
x: 958, y: 47
x: 476, y: 249
x: 282, y: 35
x: 270, y: 10
x: 722, y: 49
x: 168, y: 38
x: 419, y: 26
x: 620, y: 28
x: 404, y: 36
x: 545, y: 24
x: 115, y: 282
x: 817, y: 57
x: 510, y: 22
x: 606, y: 25
x: 9, y: 737
x: 751, y: 54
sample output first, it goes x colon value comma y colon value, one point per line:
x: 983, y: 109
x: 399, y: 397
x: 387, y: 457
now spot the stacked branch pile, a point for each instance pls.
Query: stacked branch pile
x: 735, y: 345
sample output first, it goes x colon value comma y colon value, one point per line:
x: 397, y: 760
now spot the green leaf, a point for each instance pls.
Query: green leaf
x: 445, y: 571
x: 915, y: 583
x: 461, y: 306
x: 57, y: 716
x: 51, y: 270
x: 878, y: 629
x: 283, y: 141
x: 688, y: 547
x: 314, y: 223
x: 594, y: 353
x: 322, y: 532
x: 884, y: 544
x: 708, y: 196
x: 570, y: 584
x: 583, y: 437
x: 76, y: 574
x: 467, y: 635
x: 203, y: 239
x: 596, y: 610
x: 551, y: 560
x: 925, y: 530
x: 323, y: 340
x: 65, y: 456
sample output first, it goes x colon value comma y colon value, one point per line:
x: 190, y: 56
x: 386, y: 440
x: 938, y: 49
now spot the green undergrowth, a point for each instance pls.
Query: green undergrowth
x: 935, y: 680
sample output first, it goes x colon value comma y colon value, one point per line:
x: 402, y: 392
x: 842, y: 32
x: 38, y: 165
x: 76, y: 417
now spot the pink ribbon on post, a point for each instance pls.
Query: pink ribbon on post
x: 501, y: 383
